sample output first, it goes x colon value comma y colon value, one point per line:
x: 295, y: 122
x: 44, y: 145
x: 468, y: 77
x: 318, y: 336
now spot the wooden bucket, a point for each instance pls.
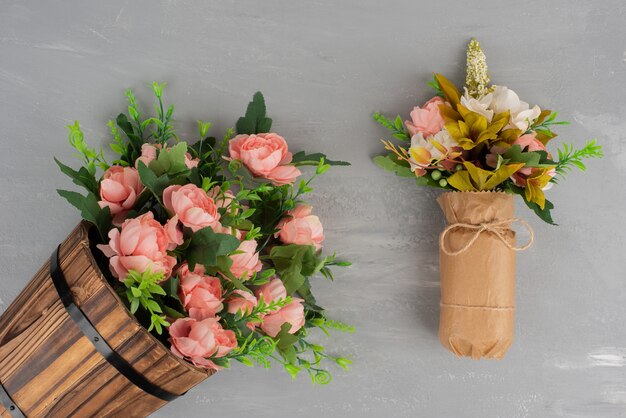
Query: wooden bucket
x: 50, y: 367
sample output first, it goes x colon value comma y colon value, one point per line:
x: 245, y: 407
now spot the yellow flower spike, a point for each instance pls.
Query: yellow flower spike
x: 535, y: 184
x: 477, y: 79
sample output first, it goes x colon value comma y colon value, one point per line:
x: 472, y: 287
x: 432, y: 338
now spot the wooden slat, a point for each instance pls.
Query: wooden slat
x: 51, y: 369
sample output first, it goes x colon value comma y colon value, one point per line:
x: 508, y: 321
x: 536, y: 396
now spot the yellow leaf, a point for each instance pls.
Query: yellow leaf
x: 501, y: 174
x: 543, y: 138
x: 535, y: 184
x: 478, y: 175
x: 449, y: 114
x: 486, y: 135
x: 510, y: 135
x: 485, y: 179
x: 478, y: 124
x: 450, y: 92
x: 461, y: 181
x: 500, y: 120
x: 463, y: 111
x: 457, y: 130
x: 542, y: 116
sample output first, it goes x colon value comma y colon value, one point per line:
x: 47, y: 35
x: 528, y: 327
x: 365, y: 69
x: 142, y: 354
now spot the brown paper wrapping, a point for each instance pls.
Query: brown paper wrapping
x: 477, y: 285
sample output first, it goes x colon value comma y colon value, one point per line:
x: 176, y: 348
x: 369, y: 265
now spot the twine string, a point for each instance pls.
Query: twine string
x: 498, y: 228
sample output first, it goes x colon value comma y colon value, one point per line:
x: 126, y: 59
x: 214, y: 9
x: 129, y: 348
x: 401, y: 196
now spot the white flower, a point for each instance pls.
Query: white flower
x: 444, y: 138
x: 424, y: 150
x: 505, y: 99
x: 479, y: 105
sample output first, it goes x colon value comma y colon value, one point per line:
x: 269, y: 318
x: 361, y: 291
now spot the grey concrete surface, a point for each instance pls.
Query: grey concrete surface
x: 324, y: 67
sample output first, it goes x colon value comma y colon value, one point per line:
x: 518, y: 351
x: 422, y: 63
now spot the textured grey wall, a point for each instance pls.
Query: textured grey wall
x: 325, y: 66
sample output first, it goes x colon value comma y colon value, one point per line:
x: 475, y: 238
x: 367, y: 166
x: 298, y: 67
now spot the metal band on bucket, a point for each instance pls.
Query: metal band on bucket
x: 92, y: 334
x: 7, y: 402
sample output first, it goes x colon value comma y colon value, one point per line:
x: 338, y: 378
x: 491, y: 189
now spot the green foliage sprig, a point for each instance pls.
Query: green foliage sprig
x: 142, y: 291
x: 569, y: 157
x: 396, y: 126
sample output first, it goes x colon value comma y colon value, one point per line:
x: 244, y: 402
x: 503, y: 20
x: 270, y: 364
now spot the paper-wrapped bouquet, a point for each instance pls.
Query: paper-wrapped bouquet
x: 482, y: 145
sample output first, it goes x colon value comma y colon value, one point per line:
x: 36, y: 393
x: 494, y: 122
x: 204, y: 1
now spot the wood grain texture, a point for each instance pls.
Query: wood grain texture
x: 51, y: 369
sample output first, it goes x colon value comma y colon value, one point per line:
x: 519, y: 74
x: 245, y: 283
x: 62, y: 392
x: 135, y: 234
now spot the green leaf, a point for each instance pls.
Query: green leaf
x: 124, y: 124
x: 170, y: 161
x: 224, y: 264
x: 171, y: 288
x: 305, y: 292
x: 396, y: 127
x: 284, y: 338
x: 90, y: 210
x: 149, y: 179
x: 435, y: 86
x: 82, y: 177
x: 206, y: 246
x: 389, y: 162
x: 172, y: 313
x: 570, y: 157
x: 293, y: 262
x: 245, y: 361
x: 134, y: 305
x: 537, y: 159
x: 301, y: 158
x: 254, y: 121
x: 545, y: 213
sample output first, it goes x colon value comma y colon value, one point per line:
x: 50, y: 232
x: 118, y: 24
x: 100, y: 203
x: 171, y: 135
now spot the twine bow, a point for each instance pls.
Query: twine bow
x: 498, y: 228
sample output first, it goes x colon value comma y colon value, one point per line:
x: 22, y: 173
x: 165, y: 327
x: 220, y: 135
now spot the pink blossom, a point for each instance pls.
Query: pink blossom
x: 193, y: 207
x: 141, y: 245
x: 427, y: 119
x: 200, y: 294
x: 246, y: 262
x: 266, y: 156
x: 300, y: 227
x: 199, y: 340
x: 119, y: 189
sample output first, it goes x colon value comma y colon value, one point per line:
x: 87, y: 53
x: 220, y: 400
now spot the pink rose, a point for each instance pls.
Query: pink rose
x: 266, y: 156
x: 174, y: 233
x: 246, y: 262
x: 200, y: 340
x: 530, y: 142
x: 200, y: 294
x: 149, y: 153
x: 119, y: 189
x: 241, y: 301
x: 272, y: 291
x: 222, y: 200
x: 300, y: 227
x: 194, y: 208
x: 292, y: 314
x: 428, y: 119
x: 140, y: 246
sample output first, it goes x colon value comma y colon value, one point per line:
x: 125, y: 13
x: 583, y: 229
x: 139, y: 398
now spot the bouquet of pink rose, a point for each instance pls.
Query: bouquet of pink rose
x: 213, y: 252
